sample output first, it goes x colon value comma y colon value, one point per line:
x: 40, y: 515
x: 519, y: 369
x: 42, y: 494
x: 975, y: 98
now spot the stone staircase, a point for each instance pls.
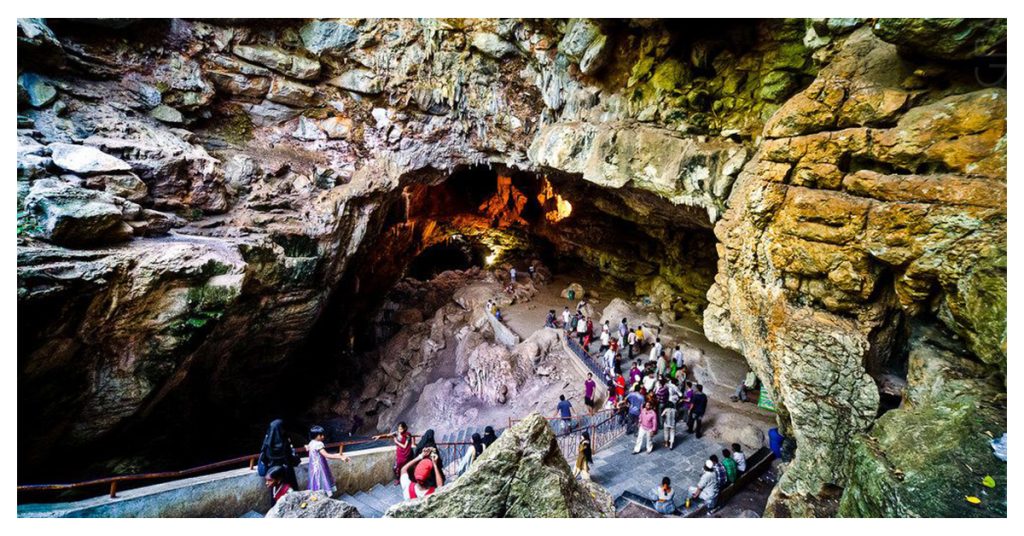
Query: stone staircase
x: 376, y: 501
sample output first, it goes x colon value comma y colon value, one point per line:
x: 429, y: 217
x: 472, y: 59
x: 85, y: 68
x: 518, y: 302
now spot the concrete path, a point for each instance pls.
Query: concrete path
x: 618, y: 469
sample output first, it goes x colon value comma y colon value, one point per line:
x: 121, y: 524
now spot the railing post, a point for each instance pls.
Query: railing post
x: 252, y: 463
x: 113, y: 489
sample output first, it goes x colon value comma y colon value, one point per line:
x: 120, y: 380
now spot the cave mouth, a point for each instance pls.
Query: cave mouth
x: 625, y: 239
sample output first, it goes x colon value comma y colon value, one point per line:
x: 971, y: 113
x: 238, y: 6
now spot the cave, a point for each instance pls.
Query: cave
x: 226, y: 221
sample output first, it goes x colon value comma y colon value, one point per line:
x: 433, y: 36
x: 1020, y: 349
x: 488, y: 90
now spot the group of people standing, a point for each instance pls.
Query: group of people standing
x: 418, y: 467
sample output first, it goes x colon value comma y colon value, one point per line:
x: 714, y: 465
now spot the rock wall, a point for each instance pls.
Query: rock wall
x: 206, y: 208
x: 878, y: 193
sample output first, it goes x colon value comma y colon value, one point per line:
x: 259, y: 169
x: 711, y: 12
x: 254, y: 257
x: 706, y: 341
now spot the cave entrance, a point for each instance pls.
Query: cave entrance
x: 455, y: 253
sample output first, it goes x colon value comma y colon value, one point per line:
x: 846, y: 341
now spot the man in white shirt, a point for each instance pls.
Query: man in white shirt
x: 609, y: 359
x: 677, y: 356
x: 566, y: 317
x: 606, y: 339
x: 656, y: 350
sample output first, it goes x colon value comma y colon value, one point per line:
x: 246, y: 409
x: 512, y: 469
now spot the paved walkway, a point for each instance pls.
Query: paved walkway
x: 618, y: 469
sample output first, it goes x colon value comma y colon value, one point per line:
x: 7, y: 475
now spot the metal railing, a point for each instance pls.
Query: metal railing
x: 604, y: 426
x: 114, y: 481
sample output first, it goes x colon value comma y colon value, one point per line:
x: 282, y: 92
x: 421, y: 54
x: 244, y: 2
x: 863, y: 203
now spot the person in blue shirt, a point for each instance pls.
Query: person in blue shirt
x: 565, y: 412
x: 636, y: 403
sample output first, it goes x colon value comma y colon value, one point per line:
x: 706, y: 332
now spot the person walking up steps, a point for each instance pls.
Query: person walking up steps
x: 581, y: 331
x: 648, y: 426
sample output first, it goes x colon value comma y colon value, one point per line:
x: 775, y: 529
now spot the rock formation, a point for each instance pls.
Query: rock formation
x: 212, y: 212
x: 315, y: 504
x: 523, y: 474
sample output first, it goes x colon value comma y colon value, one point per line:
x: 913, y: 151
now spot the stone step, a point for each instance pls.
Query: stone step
x: 365, y: 510
x: 373, y: 501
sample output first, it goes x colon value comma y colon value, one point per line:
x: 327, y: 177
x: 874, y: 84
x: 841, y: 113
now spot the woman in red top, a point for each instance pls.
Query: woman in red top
x: 275, y: 482
x: 403, y: 446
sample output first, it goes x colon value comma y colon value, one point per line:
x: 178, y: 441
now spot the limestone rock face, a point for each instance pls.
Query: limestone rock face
x: 224, y: 202
x: 311, y: 504
x: 523, y: 474
x: 848, y: 219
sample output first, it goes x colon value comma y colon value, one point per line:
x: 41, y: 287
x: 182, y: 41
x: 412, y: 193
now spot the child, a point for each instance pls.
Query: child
x: 739, y: 458
x: 320, y: 477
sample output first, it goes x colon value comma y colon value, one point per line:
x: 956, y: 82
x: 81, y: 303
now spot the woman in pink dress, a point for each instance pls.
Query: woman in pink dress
x: 403, y: 445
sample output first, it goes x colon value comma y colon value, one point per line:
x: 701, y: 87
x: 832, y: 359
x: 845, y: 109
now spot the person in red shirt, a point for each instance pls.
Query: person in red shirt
x: 425, y: 465
x: 620, y: 385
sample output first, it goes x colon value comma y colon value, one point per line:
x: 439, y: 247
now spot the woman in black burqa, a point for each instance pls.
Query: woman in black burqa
x: 427, y: 440
x: 489, y: 436
x: 277, y: 450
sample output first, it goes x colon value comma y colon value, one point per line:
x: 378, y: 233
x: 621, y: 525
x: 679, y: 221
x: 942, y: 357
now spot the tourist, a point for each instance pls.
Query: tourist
x: 489, y: 436
x: 613, y: 344
x: 277, y: 451
x: 648, y: 426
x: 699, y: 405
x: 605, y: 328
x: 512, y: 274
x: 403, y: 445
x: 677, y: 357
x: 590, y: 325
x: 620, y: 385
x: 606, y: 341
x: 707, y: 487
x: 588, y: 393
x: 581, y: 330
x: 631, y: 341
x: 636, y: 403
x: 623, y: 329
x: 549, y: 322
x: 580, y: 306
x: 474, y: 450
x: 668, y: 420
x: 739, y: 458
x: 729, y: 464
x: 584, y: 457
x: 639, y: 337
x: 609, y: 360
x: 720, y: 474
x: 749, y: 384
x: 565, y: 412
x: 426, y: 475
x: 680, y: 375
x: 275, y: 482
x: 533, y: 271
x: 660, y: 365
x: 649, y: 381
x: 673, y: 394
x: 427, y: 443
x: 661, y: 393
x: 656, y: 351
x: 320, y: 476
x: 622, y: 407
x: 635, y: 373
x: 566, y: 318
x: 687, y: 401
x: 497, y: 314
x: 664, y: 497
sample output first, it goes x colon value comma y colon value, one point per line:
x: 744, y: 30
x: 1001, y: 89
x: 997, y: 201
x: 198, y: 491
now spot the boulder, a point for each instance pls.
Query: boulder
x: 946, y: 39
x: 239, y: 84
x: 74, y: 217
x: 359, y: 80
x: 522, y: 474
x: 578, y: 292
x: 284, y: 91
x: 311, y: 504
x: 327, y: 36
x: 293, y: 65
x: 35, y: 91
x: 491, y: 45
x: 83, y: 159
x: 166, y: 114
x: 337, y: 128
x: 126, y: 185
